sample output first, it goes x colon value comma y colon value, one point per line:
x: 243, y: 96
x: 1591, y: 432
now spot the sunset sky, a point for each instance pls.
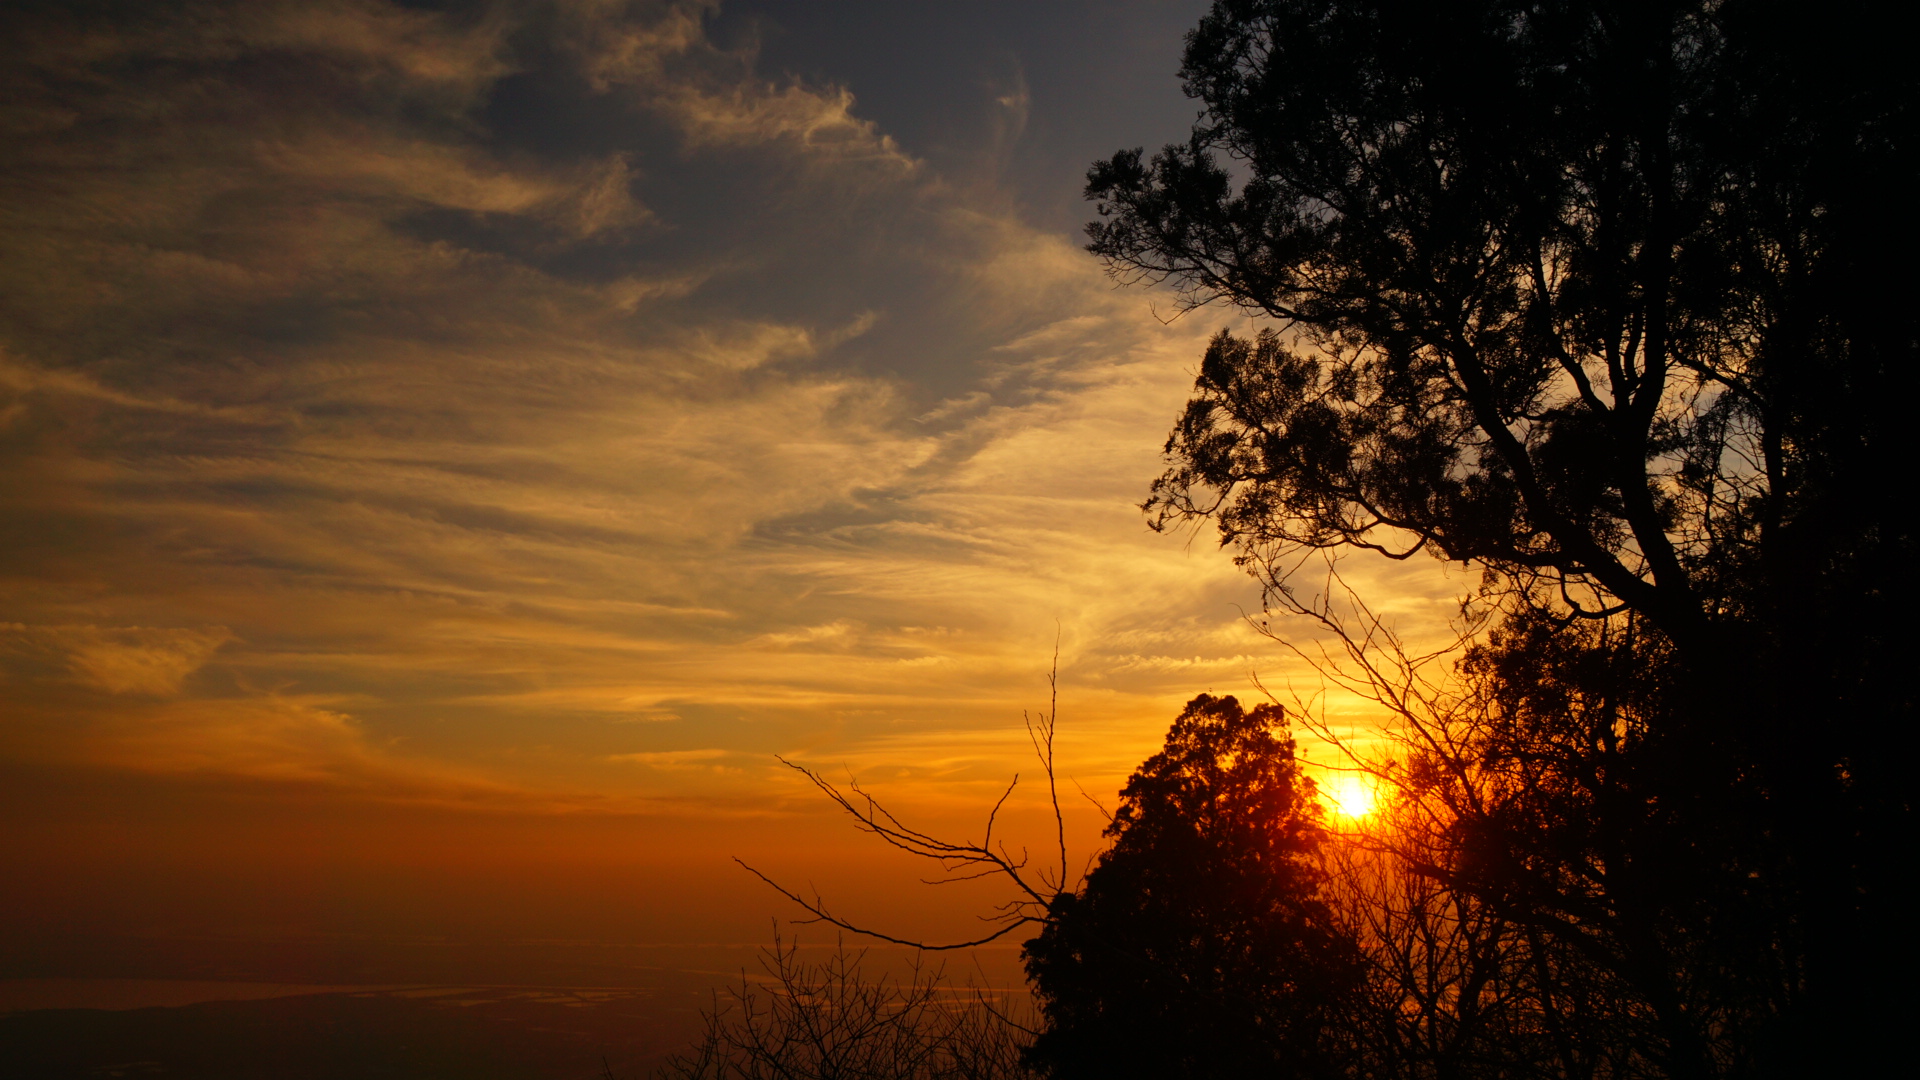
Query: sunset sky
x: 451, y: 449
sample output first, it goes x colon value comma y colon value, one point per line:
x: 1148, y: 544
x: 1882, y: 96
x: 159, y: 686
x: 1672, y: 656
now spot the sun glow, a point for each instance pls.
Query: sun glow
x: 1349, y: 795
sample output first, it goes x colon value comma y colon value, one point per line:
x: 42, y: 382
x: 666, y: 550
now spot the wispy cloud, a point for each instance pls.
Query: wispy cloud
x: 361, y: 435
x: 152, y: 661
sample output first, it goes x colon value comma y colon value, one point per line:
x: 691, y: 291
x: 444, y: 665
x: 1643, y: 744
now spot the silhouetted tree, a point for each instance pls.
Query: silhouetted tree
x: 1536, y: 899
x: 1611, y: 299
x: 1200, y: 944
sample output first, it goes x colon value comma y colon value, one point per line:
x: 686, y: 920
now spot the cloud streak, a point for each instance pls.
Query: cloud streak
x: 364, y: 434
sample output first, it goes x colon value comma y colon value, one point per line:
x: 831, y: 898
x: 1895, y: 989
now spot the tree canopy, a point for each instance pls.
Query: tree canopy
x: 1604, y: 292
x: 1199, y: 945
x: 1611, y: 299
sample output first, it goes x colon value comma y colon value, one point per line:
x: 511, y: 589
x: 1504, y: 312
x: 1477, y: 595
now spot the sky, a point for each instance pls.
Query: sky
x: 452, y: 452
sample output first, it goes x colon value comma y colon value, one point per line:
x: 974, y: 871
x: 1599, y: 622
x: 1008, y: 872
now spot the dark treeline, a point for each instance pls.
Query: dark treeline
x: 1614, y: 302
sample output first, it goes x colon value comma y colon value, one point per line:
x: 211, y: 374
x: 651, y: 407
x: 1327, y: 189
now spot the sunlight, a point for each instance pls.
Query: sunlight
x: 1349, y: 795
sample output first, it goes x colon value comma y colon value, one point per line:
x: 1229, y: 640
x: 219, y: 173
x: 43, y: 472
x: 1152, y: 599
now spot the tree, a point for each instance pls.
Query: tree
x: 1199, y: 945
x: 830, y: 1021
x: 1609, y: 299
x: 1540, y: 897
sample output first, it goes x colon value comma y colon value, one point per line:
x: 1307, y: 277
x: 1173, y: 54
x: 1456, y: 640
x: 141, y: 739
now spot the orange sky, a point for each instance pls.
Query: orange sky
x: 449, y: 455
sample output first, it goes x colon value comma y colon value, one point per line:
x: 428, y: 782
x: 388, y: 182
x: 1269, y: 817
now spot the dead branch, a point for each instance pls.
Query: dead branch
x: 959, y: 861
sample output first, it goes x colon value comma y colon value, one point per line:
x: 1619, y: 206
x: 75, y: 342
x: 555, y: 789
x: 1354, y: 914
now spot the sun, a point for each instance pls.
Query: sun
x: 1349, y: 795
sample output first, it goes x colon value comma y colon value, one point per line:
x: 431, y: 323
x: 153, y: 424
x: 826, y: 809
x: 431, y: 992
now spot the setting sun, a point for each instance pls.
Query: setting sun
x: 1349, y: 795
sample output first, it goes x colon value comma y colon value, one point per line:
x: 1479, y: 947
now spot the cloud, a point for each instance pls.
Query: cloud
x: 151, y: 661
x: 359, y: 435
x: 137, y: 660
x: 836, y: 634
x: 702, y: 760
x: 716, y: 97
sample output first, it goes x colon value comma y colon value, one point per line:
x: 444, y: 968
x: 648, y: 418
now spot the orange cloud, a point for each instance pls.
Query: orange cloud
x: 354, y: 448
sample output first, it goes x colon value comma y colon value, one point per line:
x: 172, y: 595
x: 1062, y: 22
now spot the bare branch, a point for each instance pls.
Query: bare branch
x: 961, y: 861
x: 820, y: 914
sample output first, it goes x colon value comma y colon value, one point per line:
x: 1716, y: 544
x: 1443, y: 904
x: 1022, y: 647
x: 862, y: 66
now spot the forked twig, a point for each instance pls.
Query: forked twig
x: 959, y: 861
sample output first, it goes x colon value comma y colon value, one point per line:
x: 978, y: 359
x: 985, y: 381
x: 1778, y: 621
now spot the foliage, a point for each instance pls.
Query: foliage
x: 1611, y: 299
x: 1558, y: 268
x: 1199, y: 945
x: 1542, y: 895
x: 1606, y: 298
